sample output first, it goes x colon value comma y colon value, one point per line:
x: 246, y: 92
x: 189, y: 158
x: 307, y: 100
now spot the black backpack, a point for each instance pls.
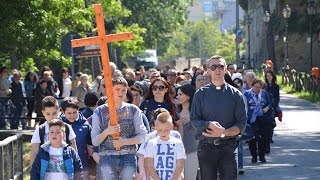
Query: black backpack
x: 42, y: 131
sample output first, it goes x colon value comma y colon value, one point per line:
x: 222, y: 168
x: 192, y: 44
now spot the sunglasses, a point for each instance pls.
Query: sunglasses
x: 215, y: 66
x: 155, y: 88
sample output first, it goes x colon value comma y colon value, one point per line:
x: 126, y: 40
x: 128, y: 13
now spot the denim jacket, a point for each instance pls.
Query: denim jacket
x: 71, y: 160
x: 131, y: 124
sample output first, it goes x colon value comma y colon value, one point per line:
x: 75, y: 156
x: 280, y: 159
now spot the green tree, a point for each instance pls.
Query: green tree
x: 159, y: 18
x: 227, y: 47
x: 34, y: 29
x: 201, y: 39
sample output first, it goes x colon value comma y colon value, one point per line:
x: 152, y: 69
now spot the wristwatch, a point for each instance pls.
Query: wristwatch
x: 222, y: 135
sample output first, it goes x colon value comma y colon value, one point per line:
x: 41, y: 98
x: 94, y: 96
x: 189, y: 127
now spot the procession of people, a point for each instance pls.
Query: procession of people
x: 172, y: 124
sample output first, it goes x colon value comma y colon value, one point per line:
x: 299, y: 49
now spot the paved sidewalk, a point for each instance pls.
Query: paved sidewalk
x: 295, y: 153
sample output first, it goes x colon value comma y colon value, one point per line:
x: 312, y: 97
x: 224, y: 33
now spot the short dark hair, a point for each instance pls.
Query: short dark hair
x: 137, y: 88
x: 69, y: 102
x: 57, y: 122
x: 49, y: 101
x: 102, y: 100
x: 41, y: 81
x: 129, y: 95
x: 119, y: 81
x: 3, y: 69
x: 229, y: 65
x: 256, y: 81
x: 90, y: 99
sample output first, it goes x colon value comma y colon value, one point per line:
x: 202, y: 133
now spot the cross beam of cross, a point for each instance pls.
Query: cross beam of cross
x: 102, y: 40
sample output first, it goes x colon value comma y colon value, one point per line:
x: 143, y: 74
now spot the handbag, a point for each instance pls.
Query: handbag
x: 279, y: 113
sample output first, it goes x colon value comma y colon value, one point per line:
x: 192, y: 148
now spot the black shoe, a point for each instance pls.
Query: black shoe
x: 267, y: 151
x: 241, y: 172
x: 254, y: 160
x: 262, y: 159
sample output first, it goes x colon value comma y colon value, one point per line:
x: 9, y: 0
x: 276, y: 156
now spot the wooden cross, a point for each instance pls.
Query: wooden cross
x: 102, y: 40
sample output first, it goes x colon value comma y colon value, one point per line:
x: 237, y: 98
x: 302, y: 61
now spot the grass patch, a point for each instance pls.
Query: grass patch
x: 302, y: 95
x: 26, y: 159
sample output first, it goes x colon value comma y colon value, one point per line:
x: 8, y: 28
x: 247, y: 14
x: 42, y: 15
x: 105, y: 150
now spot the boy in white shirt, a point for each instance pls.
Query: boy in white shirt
x: 50, y: 110
x: 142, y: 175
x: 165, y: 154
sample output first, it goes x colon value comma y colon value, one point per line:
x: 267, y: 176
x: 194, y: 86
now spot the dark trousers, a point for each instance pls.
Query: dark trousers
x: 263, y: 129
x: 30, y: 107
x: 3, y: 113
x: 217, y: 158
x: 14, y: 123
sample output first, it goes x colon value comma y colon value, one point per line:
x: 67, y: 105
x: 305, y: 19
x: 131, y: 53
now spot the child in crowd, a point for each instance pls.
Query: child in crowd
x: 165, y: 154
x: 50, y: 110
x: 142, y: 175
x: 39, y: 93
x: 118, y: 164
x: 82, y: 129
x: 56, y: 160
x: 90, y: 100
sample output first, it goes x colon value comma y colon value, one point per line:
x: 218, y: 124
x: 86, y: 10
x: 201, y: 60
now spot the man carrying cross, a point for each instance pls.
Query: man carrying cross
x: 117, y: 127
x: 118, y: 164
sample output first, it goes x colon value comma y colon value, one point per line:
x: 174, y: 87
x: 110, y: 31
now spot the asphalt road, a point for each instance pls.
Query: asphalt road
x: 295, y: 153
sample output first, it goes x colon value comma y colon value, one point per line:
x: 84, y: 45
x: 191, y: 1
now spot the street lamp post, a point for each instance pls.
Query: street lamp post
x: 311, y: 8
x: 286, y: 14
x: 249, y: 19
x: 266, y: 19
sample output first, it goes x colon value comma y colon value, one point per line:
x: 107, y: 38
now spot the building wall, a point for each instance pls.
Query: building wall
x: 221, y: 10
x: 298, y: 48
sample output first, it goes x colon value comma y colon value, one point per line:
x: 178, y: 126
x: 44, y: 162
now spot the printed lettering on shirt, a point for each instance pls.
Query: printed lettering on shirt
x: 165, y: 160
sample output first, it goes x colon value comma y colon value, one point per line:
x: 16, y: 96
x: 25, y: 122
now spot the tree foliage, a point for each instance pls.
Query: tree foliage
x: 201, y: 39
x: 31, y: 30
x: 159, y: 18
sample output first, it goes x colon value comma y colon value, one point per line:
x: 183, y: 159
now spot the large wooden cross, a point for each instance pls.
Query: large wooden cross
x: 102, y: 40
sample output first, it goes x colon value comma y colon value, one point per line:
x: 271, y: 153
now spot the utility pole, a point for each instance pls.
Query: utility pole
x: 237, y: 27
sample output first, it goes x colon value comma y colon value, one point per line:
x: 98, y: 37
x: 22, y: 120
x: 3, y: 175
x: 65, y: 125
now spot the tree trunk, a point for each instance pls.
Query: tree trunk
x: 270, y: 37
x: 13, y: 58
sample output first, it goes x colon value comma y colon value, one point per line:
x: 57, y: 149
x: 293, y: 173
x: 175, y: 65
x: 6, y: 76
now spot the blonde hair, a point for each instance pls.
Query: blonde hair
x: 164, y: 117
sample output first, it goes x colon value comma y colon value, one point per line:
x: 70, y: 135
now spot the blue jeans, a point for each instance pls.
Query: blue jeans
x: 240, y: 154
x: 121, y: 167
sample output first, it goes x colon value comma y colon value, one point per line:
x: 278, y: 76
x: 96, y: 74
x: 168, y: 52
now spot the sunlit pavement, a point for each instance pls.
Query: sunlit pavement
x: 295, y: 153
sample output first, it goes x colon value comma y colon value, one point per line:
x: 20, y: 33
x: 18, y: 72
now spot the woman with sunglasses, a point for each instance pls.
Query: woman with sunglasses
x: 159, y: 96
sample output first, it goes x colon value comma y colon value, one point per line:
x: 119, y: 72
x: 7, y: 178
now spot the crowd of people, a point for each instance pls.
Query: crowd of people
x: 171, y: 123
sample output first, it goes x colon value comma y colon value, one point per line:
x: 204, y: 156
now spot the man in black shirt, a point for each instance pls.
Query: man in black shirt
x: 218, y: 115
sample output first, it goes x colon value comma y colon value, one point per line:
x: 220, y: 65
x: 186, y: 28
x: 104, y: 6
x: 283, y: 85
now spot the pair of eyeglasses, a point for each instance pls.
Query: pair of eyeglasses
x: 215, y: 66
x: 155, y: 88
x: 135, y: 95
